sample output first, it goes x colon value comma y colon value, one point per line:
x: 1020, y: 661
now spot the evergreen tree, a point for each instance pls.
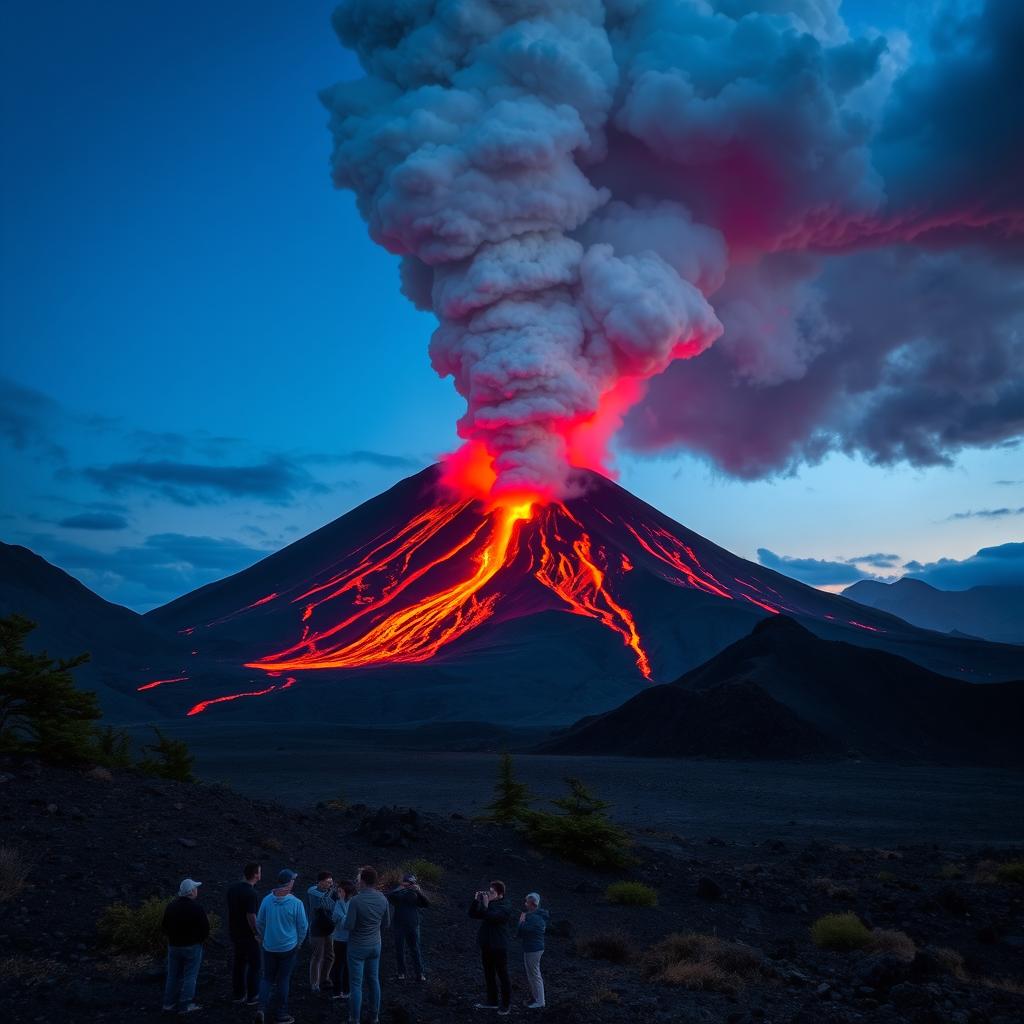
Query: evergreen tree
x: 41, y: 710
x: 512, y: 799
x: 113, y: 747
x: 583, y: 833
x: 172, y: 759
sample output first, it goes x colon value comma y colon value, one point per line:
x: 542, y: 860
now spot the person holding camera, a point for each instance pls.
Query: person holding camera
x: 533, y: 922
x: 406, y: 901
x: 321, y: 899
x: 491, y: 909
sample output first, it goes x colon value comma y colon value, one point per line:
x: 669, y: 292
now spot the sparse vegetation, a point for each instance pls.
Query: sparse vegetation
x: 840, y: 932
x: 125, y: 966
x: 512, y: 799
x: 584, y: 833
x: 133, y: 930
x: 270, y: 843
x: 631, y: 894
x: 14, y: 869
x: 113, y: 748
x: 605, y: 997
x: 886, y: 877
x: 1011, y: 872
x: 950, y: 872
x: 338, y: 803
x: 426, y: 871
x: 42, y: 712
x: 833, y: 889
x: 32, y: 971
x: 171, y: 759
x: 703, y: 962
x: 896, y: 943
x: 951, y: 961
x: 616, y: 947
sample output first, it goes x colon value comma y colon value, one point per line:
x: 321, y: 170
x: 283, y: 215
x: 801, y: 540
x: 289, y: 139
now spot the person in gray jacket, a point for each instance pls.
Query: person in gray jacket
x: 368, y: 912
x: 533, y: 922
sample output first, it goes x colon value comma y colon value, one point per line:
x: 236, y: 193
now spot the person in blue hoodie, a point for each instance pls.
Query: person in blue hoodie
x: 282, y: 925
x: 533, y: 922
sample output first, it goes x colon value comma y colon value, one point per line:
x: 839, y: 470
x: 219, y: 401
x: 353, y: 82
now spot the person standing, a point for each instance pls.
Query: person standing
x: 187, y: 927
x: 339, y: 940
x: 282, y: 925
x: 407, y: 901
x: 321, y: 926
x: 245, y: 948
x: 493, y: 913
x: 368, y: 912
x: 533, y: 922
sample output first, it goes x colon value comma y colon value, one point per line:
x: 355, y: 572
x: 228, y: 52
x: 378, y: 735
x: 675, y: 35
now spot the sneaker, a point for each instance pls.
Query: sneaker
x: 255, y: 1001
x: 238, y: 999
x: 314, y: 988
x: 485, y: 1006
x: 423, y: 977
x: 401, y: 977
x: 504, y: 1011
x: 168, y: 1009
x: 535, y: 1006
x: 339, y: 995
x: 191, y: 1008
x: 285, y: 1020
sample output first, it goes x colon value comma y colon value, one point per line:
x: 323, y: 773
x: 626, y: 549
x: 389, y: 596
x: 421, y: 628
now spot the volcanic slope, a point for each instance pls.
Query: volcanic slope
x: 782, y: 692
x: 439, y: 609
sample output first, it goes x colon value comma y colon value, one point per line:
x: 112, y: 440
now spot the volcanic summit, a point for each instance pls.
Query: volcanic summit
x: 521, y: 610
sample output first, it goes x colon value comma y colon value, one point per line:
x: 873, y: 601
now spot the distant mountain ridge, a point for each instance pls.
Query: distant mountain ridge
x: 989, y: 612
x: 809, y: 697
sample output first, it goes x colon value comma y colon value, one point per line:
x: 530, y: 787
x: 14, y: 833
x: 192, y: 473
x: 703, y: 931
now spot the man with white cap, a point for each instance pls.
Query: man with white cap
x: 187, y: 927
x: 282, y: 925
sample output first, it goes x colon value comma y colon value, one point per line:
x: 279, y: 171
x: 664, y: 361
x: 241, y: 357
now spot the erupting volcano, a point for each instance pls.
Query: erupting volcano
x: 568, y: 604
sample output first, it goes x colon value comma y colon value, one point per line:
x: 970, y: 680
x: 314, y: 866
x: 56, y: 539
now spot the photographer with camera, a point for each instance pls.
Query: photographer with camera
x: 491, y: 909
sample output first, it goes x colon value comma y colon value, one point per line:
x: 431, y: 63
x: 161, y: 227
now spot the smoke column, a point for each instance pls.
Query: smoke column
x: 589, y: 195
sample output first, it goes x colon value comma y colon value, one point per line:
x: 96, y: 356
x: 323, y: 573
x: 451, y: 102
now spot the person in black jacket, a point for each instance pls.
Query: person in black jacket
x: 493, y: 913
x: 187, y: 927
x: 407, y: 900
x: 245, y: 947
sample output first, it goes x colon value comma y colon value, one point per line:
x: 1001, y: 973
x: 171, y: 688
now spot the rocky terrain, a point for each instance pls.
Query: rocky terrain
x: 93, y: 839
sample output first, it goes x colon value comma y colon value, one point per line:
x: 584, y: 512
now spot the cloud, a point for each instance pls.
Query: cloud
x: 162, y: 567
x: 1008, y: 483
x: 815, y: 571
x: 878, y: 560
x: 276, y: 480
x: 94, y: 521
x: 27, y: 419
x: 382, y: 460
x: 1002, y: 565
x: 988, y: 513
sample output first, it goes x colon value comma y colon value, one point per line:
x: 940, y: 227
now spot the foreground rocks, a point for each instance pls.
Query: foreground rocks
x: 93, y: 838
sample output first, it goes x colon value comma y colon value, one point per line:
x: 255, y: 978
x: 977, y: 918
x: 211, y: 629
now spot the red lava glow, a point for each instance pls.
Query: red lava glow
x: 160, y: 682
x: 861, y: 625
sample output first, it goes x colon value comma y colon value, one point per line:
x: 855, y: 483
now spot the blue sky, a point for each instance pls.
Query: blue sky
x: 204, y: 356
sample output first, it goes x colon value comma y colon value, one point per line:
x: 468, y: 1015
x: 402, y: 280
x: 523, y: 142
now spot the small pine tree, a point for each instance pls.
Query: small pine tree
x: 583, y: 833
x: 113, y: 748
x: 41, y: 710
x: 512, y: 799
x: 172, y: 760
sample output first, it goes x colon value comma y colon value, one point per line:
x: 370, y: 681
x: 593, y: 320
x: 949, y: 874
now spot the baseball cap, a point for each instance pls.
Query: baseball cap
x: 285, y: 875
x: 409, y: 878
x: 187, y: 886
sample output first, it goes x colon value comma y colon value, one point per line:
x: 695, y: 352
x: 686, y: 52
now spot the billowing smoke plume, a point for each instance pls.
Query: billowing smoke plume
x: 572, y: 183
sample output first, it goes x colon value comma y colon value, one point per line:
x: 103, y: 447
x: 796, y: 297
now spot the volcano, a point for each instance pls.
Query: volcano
x: 420, y: 606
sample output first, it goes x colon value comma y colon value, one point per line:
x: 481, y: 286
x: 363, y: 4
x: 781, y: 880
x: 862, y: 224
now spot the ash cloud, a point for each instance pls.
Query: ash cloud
x: 817, y: 572
x: 1001, y: 565
x: 587, y: 192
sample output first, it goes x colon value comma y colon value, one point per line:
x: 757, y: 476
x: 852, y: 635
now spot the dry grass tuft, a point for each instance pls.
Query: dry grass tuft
x: 703, y: 963
x: 833, y: 889
x: 32, y: 971
x: 951, y: 961
x: 604, y: 997
x: 616, y: 947
x: 896, y: 943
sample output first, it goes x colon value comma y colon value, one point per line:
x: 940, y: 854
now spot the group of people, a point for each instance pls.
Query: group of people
x: 343, y: 921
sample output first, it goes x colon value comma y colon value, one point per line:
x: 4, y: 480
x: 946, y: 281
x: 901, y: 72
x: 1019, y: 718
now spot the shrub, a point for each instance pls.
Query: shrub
x: 270, y: 843
x: 615, y: 947
x: 42, y: 712
x: 14, y: 869
x: 389, y: 876
x: 840, y: 932
x: 951, y: 961
x: 703, y: 962
x: 604, y: 997
x: 950, y: 872
x: 1012, y: 872
x: 898, y: 944
x: 126, y: 929
x: 338, y: 803
x: 512, y: 799
x: 426, y: 871
x: 834, y: 890
x: 113, y: 748
x: 172, y: 759
x: 584, y: 833
x: 886, y: 877
x: 631, y: 894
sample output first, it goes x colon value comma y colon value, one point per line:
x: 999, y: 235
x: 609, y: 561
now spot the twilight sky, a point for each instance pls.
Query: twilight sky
x: 205, y: 357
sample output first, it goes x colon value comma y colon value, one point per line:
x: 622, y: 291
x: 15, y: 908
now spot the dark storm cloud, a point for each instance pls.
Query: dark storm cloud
x: 989, y: 513
x: 815, y: 571
x: 94, y: 521
x: 28, y: 418
x: 275, y: 480
x: 878, y: 560
x: 994, y: 566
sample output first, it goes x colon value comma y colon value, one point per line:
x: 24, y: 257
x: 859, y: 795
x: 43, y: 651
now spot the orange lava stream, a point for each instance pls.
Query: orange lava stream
x: 418, y: 632
x: 581, y: 586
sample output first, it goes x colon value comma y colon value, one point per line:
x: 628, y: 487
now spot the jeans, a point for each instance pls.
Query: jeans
x: 320, y: 960
x: 532, y: 963
x: 245, y: 968
x: 277, y: 976
x: 182, y: 970
x: 339, y: 971
x: 357, y: 960
x: 495, y: 970
x: 408, y: 937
